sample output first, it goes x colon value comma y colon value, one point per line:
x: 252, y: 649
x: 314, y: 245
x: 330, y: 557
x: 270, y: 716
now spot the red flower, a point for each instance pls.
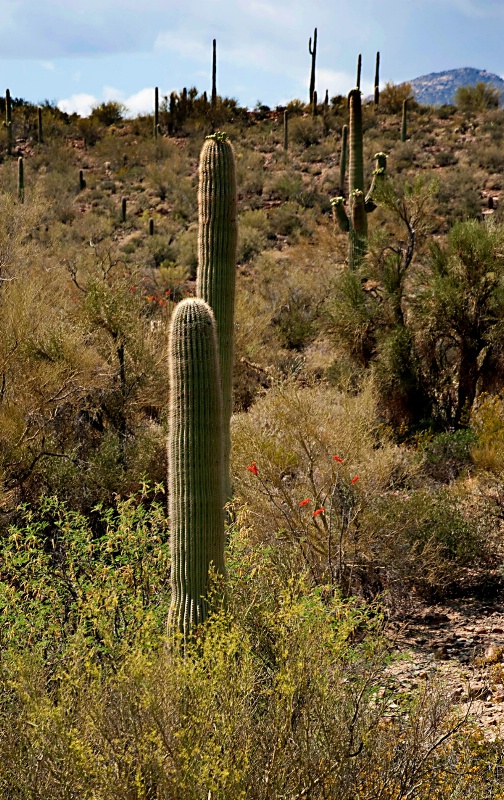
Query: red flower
x: 305, y: 502
x: 253, y: 468
x: 354, y: 480
x: 132, y: 288
x: 338, y: 459
x: 318, y: 511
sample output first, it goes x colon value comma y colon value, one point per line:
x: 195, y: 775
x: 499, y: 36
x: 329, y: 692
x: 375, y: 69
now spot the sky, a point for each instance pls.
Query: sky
x: 80, y: 53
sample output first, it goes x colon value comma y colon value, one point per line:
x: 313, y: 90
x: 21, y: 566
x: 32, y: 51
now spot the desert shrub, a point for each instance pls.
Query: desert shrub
x: 108, y: 114
x: 487, y: 426
x: 445, y: 158
x: 448, y: 454
x: 305, y: 131
x: 252, y: 234
x: 392, y: 97
x: 472, y: 99
x: 285, y: 689
x: 332, y: 492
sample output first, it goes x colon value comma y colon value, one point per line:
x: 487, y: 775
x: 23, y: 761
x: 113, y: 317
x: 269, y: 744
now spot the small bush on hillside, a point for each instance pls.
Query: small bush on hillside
x: 472, y: 99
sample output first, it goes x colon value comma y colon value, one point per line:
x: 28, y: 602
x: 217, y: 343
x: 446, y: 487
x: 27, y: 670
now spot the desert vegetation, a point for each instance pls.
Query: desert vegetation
x: 367, y: 446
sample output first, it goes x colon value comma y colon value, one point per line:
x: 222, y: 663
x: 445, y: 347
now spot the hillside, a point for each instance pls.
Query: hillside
x: 439, y: 88
x: 355, y: 645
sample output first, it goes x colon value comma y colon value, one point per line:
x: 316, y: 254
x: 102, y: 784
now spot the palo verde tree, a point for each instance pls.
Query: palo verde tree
x: 461, y: 315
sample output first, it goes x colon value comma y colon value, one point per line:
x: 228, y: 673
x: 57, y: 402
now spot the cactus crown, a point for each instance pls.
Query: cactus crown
x: 337, y: 201
x: 218, y: 136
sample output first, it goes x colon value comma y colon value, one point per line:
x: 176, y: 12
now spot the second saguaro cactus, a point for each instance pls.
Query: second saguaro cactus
x: 312, y: 49
x: 195, y: 463
x: 8, y: 121
x: 216, y: 275
x: 360, y: 205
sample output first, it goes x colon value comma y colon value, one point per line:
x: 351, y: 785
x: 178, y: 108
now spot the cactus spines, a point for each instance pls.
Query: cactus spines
x: 376, y: 97
x: 217, y: 238
x: 214, y: 73
x: 313, y: 52
x: 8, y: 121
x: 156, y: 112
x: 359, y: 67
x: 404, y: 121
x: 40, y: 135
x: 195, y: 463
x: 20, y: 179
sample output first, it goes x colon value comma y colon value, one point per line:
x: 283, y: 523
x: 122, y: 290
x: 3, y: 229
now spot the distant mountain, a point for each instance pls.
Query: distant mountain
x: 439, y: 88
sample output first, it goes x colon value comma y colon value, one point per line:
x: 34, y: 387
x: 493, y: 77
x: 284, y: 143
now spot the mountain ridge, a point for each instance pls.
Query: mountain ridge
x: 439, y: 88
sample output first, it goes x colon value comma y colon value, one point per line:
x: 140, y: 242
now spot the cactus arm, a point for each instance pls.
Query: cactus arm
x: 339, y: 213
x: 343, y: 158
x: 359, y: 68
x: 378, y: 174
x: 195, y: 463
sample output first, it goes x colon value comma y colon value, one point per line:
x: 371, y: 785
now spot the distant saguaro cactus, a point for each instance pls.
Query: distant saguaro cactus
x: 313, y: 52
x: 156, y: 112
x: 404, y: 120
x: 217, y: 240
x: 359, y: 68
x: 124, y: 202
x: 40, y: 135
x: 214, y: 73
x: 82, y: 180
x: 8, y: 121
x: 360, y: 205
x: 195, y: 463
x: 376, y: 97
x: 20, y: 179
x: 286, y: 129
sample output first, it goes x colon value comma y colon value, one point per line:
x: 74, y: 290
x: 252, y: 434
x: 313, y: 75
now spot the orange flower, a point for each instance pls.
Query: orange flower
x: 354, y: 480
x: 305, y: 502
x: 338, y: 459
x: 318, y: 511
x: 253, y: 468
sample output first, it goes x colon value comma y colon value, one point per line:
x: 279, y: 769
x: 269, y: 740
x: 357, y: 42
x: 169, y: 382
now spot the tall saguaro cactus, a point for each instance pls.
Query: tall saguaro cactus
x: 8, y: 121
x: 360, y: 205
x: 214, y: 72
x: 20, y: 179
x: 376, y: 96
x: 195, y: 463
x: 156, y: 112
x: 313, y: 52
x: 217, y: 239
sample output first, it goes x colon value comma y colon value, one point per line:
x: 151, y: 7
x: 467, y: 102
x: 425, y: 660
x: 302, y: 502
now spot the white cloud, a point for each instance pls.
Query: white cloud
x: 339, y: 83
x: 78, y: 104
x: 141, y: 102
x: 48, y: 65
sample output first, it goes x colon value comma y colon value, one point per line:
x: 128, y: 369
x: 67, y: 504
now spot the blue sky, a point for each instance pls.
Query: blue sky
x: 79, y: 53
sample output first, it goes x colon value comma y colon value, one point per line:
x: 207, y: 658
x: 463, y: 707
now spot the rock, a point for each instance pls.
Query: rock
x: 440, y: 652
x: 493, y: 654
